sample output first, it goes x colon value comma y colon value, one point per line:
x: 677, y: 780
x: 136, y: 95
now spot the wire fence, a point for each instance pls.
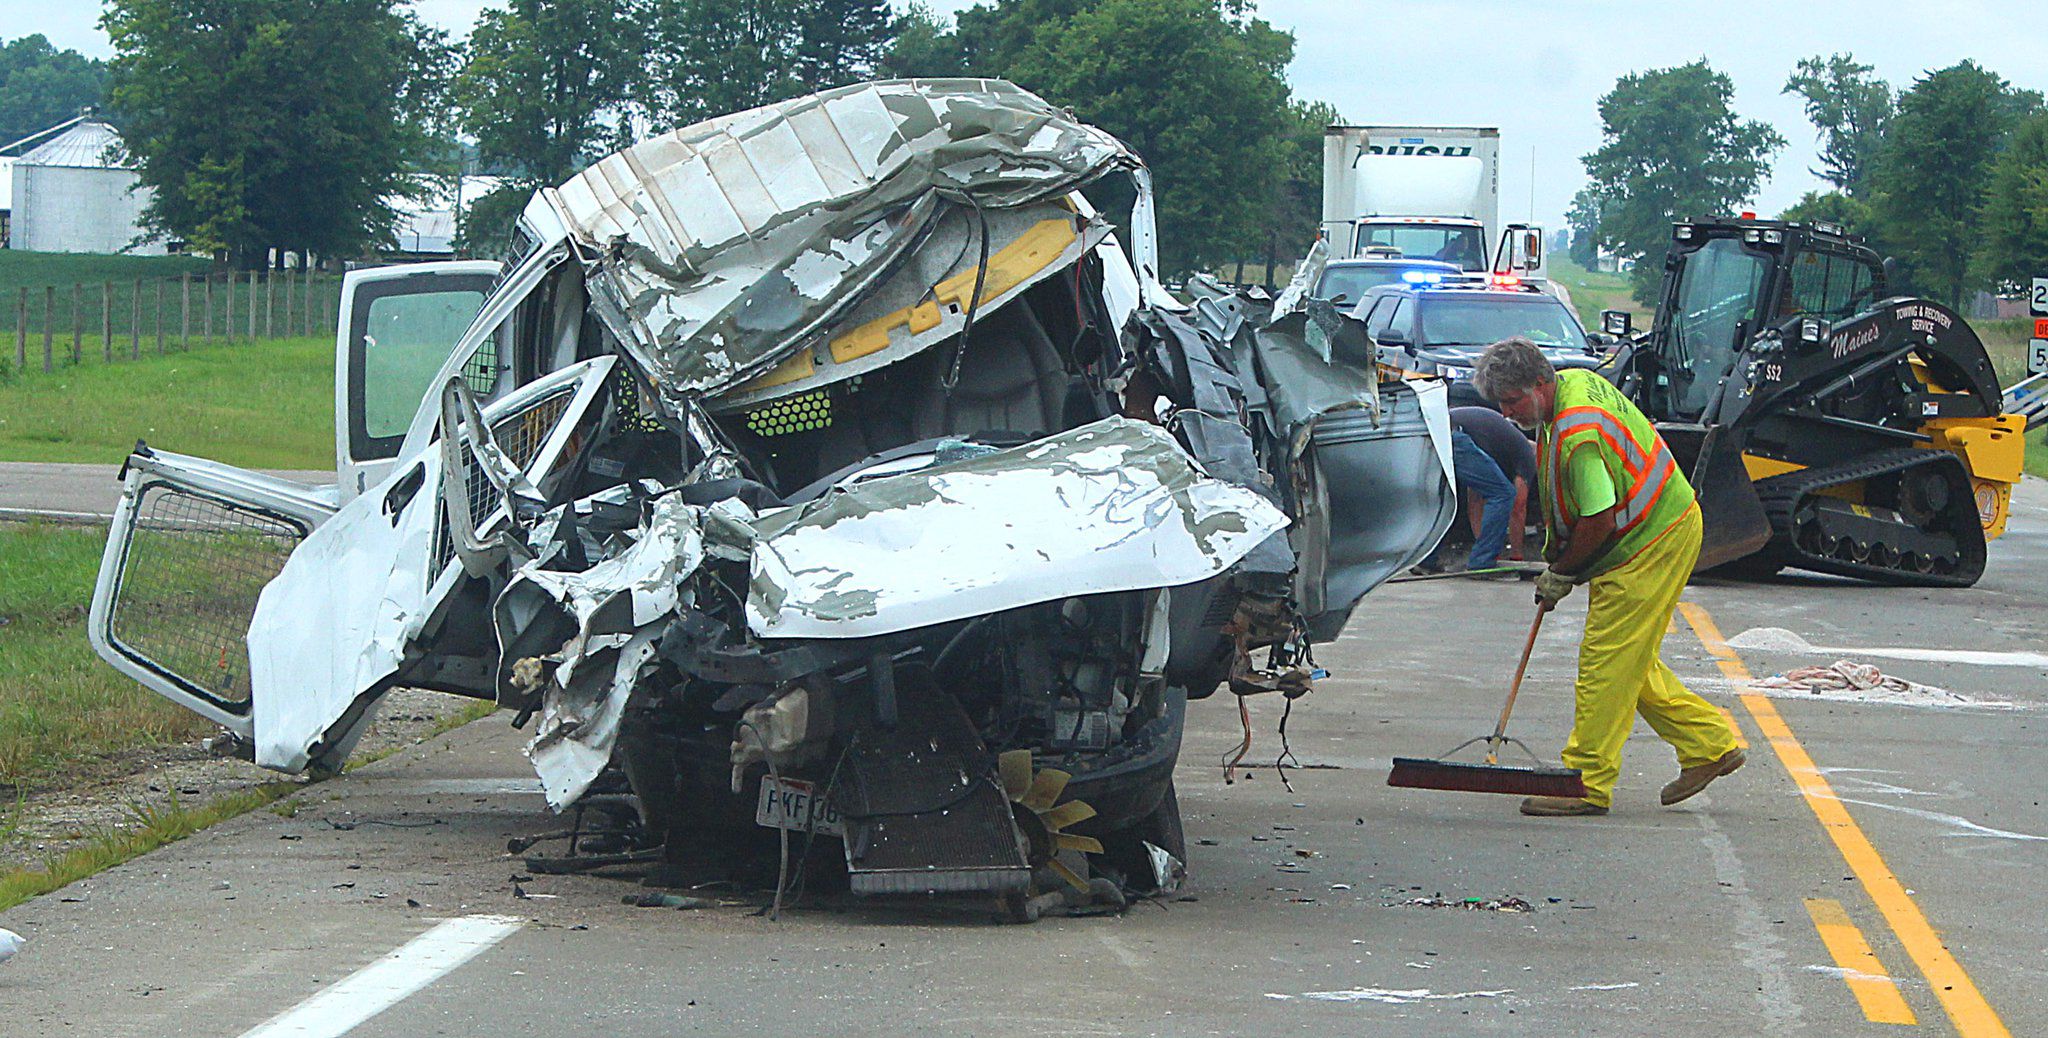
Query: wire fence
x: 58, y: 325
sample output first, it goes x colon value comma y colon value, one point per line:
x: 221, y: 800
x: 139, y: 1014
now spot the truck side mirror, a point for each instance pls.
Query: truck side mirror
x: 1618, y: 323
x: 1394, y: 337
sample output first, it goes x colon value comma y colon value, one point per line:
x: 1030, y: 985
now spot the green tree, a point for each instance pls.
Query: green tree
x: 546, y: 83
x: 1197, y: 87
x: 256, y: 129
x: 1850, y: 108
x: 2013, y: 246
x: 840, y: 41
x: 1933, y: 169
x: 1584, y: 219
x: 925, y: 45
x: 713, y: 57
x: 1672, y: 149
x: 41, y: 86
x: 1294, y: 211
x: 1851, y: 214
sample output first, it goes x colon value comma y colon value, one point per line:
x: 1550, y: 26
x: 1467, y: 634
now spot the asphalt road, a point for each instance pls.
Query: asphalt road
x: 87, y: 493
x: 1875, y: 862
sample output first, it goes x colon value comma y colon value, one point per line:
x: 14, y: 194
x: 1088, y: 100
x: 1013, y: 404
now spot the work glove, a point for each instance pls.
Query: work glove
x: 1552, y: 587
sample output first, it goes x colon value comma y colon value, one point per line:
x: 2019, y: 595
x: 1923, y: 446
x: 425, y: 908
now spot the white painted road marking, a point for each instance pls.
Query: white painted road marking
x: 1778, y: 639
x: 340, y: 1007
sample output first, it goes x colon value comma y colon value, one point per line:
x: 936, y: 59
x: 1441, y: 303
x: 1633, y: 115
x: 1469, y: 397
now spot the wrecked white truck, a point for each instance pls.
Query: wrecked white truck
x: 830, y: 467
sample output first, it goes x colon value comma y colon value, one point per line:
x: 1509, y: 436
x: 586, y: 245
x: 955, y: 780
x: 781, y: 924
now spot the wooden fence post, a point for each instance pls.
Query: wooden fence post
x: 288, y: 302
x: 49, y: 322
x: 185, y: 311
x: 207, y: 327
x: 252, y: 304
x: 107, y: 320
x: 227, y: 303
x: 159, y: 317
x: 77, y: 332
x: 269, y: 303
x: 135, y: 322
x: 21, y: 331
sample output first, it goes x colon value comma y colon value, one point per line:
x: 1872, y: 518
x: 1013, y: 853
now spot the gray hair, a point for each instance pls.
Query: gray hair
x: 1509, y: 366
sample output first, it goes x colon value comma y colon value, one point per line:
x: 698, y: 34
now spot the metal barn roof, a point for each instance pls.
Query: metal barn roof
x: 87, y: 145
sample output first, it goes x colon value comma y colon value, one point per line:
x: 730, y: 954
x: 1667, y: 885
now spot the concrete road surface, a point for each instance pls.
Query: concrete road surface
x: 1876, y: 870
x: 78, y: 492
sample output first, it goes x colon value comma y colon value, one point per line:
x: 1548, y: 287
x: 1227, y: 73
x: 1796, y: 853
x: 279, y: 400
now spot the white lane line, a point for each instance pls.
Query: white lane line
x: 340, y: 1007
x: 1778, y: 639
x: 1964, y: 826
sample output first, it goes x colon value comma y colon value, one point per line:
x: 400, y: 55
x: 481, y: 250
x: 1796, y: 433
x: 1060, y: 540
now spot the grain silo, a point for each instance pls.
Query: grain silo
x: 76, y: 193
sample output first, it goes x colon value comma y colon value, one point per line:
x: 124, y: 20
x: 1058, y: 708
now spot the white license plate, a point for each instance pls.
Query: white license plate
x: 795, y: 804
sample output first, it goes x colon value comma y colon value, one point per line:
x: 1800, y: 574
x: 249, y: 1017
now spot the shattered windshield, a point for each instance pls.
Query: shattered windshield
x: 1718, y: 287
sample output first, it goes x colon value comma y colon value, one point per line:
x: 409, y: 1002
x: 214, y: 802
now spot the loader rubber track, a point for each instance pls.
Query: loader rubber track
x: 1812, y: 531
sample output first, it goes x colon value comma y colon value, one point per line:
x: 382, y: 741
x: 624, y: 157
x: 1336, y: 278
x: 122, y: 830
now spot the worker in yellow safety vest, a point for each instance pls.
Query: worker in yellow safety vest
x: 1620, y: 518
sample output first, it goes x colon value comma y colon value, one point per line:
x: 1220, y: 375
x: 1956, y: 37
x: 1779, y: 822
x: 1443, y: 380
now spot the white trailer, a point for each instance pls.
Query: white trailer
x: 1424, y: 192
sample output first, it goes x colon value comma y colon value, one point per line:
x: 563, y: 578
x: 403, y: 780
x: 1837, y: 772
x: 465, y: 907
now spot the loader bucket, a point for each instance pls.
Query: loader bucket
x: 1735, y: 523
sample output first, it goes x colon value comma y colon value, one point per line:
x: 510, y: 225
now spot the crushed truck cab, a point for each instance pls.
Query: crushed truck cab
x: 836, y: 454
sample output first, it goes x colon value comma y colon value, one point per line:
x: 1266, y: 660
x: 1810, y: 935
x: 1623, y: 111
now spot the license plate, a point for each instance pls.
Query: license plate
x: 794, y: 804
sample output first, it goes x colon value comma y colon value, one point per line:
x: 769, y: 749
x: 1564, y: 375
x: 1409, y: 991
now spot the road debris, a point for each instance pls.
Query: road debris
x: 1472, y: 904
x: 10, y: 943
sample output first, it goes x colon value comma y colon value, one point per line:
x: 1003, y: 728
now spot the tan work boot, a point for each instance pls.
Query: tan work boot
x: 1559, y: 807
x: 1692, y: 780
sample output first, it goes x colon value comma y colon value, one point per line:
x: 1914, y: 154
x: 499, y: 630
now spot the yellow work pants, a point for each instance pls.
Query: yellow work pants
x: 1619, y: 672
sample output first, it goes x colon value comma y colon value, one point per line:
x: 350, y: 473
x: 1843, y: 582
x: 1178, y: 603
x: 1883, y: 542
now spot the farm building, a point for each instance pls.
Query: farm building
x: 75, y: 192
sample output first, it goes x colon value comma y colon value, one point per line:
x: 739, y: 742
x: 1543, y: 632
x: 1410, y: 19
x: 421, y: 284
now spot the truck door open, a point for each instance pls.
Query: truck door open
x: 397, y: 326
x: 1521, y: 252
x: 193, y: 542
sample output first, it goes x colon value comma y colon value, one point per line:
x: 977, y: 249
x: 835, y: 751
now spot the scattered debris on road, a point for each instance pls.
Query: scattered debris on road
x: 1472, y: 904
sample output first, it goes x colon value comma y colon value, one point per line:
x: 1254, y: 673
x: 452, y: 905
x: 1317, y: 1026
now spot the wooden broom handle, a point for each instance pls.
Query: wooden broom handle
x: 1501, y: 729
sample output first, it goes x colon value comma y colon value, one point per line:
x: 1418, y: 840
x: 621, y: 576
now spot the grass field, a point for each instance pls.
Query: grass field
x: 59, y: 704
x: 1593, y: 291
x: 261, y: 404
x: 20, y: 270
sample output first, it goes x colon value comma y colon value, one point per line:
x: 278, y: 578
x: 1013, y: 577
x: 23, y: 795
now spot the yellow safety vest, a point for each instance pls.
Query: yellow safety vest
x: 1591, y: 413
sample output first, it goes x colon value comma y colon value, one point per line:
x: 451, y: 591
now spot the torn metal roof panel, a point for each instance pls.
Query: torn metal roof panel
x: 720, y: 249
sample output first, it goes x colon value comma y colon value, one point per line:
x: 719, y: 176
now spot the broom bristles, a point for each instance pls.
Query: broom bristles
x: 1426, y: 773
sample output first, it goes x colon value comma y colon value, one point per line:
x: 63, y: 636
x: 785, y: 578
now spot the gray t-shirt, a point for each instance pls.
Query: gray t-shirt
x: 1499, y: 438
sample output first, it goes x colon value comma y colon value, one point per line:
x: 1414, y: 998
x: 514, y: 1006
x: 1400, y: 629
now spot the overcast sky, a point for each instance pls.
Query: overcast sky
x: 1534, y: 68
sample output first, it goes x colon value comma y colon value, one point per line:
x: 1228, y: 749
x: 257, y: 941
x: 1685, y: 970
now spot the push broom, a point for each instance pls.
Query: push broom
x: 1491, y: 776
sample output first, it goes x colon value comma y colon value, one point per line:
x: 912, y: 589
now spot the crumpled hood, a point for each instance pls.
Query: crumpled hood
x: 715, y: 251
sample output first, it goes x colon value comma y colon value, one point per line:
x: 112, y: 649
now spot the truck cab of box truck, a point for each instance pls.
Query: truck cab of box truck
x: 1423, y: 192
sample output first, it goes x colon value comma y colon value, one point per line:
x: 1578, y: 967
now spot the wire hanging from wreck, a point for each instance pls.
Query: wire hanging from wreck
x: 952, y: 376
x: 782, y: 869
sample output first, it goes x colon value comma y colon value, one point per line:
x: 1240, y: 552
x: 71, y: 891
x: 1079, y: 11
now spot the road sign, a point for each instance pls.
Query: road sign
x: 2037, y: 300
x: 2037, y: 355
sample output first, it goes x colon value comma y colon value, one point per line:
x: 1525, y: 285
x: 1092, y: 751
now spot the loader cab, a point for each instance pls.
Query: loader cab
x: 1728, y: 281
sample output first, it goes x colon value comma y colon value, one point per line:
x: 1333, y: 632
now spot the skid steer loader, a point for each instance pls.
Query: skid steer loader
x: 1826, y: 423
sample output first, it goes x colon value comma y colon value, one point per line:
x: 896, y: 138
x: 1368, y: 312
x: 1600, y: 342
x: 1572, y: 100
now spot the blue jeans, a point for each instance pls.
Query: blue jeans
x: 1478, y: 474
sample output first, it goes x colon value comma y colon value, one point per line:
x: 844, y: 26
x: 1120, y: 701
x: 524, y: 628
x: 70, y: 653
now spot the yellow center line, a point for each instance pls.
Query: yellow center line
x: 1972, y: 1015
x: 1874, y: 989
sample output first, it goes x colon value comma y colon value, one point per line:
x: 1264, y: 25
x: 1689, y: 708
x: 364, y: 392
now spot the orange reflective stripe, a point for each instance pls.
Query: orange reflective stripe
x: 1648, y: 472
